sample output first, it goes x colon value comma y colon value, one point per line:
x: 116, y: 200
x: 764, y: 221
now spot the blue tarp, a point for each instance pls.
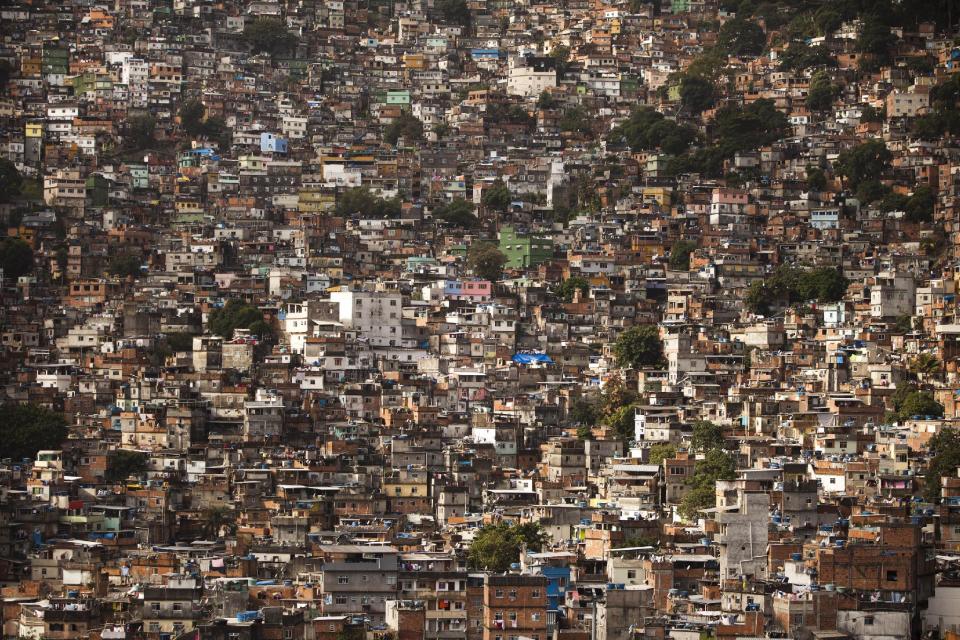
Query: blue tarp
x: 530, y: 358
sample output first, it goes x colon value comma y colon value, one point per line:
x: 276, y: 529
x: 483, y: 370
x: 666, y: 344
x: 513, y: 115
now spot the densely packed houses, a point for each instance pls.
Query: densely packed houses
x: 479, y: 320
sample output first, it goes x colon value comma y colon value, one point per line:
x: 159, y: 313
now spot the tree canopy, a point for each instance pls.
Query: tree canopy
x: 566, y: 289
x: 16, y: 258
x: 790, y: 285
x: 496, y: 547
x: 123, y: 463
x: 11, y: 182
x: 140, y: 130
x: 125, y: 265
x: 270, y: 36
x: 680, y: 254
x: 742, y: 37
x: 706, y: 436
x: 639, y: 346
x: 360, y: 201
x: 697, y: 93
x: 944, y: 450
x: 486, y: 260
x: 865, y: 162
x: 457, y: 213
x: 454, y: 11
x: 799, y: 56
x: 235, y: 314
x: 715, y: 465
x: 661, y: 451
x: 647, y: 129
x: 822, y: 93
x: 916, y: 403
x: 406, y: 126
x: 877, y: 40
x: 497, y: 196
x: 26, y: 429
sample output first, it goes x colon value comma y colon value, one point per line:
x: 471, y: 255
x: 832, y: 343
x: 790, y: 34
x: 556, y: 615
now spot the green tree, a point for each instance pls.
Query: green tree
x: 406, y: 126
x: 360, y: 201
x: 816, y: 179
x: 800, y: 56
x: 496, y: 547
x: 876, y: 40
x: 180, y: 341
x: 561, y: 60
x: 27, y: 428
x: 944, y: 451
x: 919, y: 206
x: 742, y: 37
x: 584, y: 411
x: 822, y: 93
x: 270, y: 36
x: 575, y: 120
x: 261, y: 329
x: 903, y: 323
x: 639, y: 346
x: 585, y: 432
x: 11, y: 182
x: 920, y: 403
x: 16, y: 258
x: 486, y: 260
x: 647, y: 129
x: 865, y: 162
x: 716, y: 465
x: 497, y: 196
x: 234, y: 315
x: 706, y: 436
x: 140, y: 129
x: 546, y: 100
x: 622, y: 422
x: 192, y: 113
x: 454, y: 11
x: 790, y: 285
x: 457, y: 213
x: 661, y: 451
x: 926, y: 365
x: 827, y: 20
x: 216, y: 520
x: 680, y: 254
x: 566, y: 289
x: 697, y: 93
x: 123, y: 463
x: 744, y: 129
x: 125, y: 265
x: 532, y: 535
x: 869, y: 113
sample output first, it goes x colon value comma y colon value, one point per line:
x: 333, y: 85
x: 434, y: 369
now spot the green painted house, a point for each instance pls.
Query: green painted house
x: 524, y: 250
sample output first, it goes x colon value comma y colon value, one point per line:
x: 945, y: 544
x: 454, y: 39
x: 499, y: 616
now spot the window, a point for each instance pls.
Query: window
x: 340, y: 600
x: 535, y: 593
x: 891, y: 576
x: 868, y: 621
x: 498, y: 593
x: 343, y: 580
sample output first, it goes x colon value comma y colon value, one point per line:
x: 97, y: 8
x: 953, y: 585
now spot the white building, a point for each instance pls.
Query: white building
x: 529, y: 77
x: 375, y: 315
